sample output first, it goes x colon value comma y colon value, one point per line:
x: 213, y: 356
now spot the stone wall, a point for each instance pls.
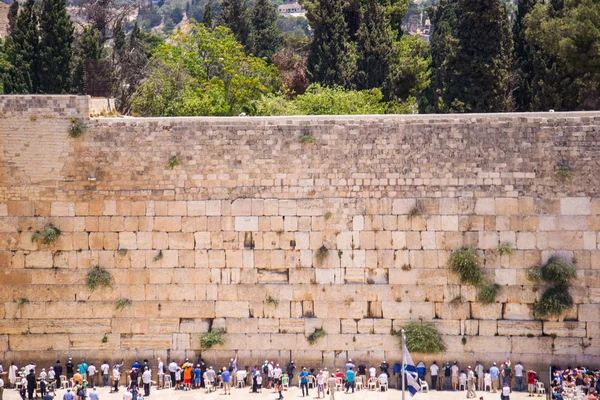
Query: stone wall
x: 239, y: 223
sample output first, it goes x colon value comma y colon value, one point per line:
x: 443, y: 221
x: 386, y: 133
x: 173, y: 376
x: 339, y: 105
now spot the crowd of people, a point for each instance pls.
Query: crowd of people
x: 573, y: 383
x: 83, y: 378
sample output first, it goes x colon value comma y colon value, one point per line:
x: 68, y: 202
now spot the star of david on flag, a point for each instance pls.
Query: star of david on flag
x: 411, y: 377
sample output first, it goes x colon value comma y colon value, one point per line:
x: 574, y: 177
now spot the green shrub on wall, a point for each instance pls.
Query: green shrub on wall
x: 422, y: 338
x: 212, y: 338
x: 557, y: 275
x: 465, y: 263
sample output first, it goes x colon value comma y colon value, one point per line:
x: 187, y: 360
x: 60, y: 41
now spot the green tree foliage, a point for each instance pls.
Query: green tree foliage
x: 15, y: 79
x: 208, y: 19
x: 373, y: 47
x: 236, y: 17
x: 565, y: 36
x: 26, y: 45
x: 293, y: 25
x: 88, y: 47
x: 409, y: 73
x: 472, y: 50
x: 331, y: 60
x: 321, y: 100
x: 204, y: 72
x: 522, y: 58
x: 395, y: 10
x: 13, y: 13
x: 265, y: 38
x: 55, y: 47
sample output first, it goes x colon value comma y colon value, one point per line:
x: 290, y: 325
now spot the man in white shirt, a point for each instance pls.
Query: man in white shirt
x: 161, y: 373
x: 241, y: 375
x: 519, y: 376
x: 434, y: 371
x: 172, y: 370
x: 127, y: 395
x: 470, y: 383
x: 43, y: 374
x: 146, y: 380
x: 480, y: 376
x: 505, y: 392
x: 455, y: 376
x: 372, y: 372
x: 277, y: 373
x: 116, y: 377
x: 51, y: 374
x: 92, y: 375
x: 105, y: 368
x: 270, y: 375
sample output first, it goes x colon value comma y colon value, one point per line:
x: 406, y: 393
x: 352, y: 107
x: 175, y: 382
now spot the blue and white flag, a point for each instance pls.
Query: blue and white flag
x: 411, y: 377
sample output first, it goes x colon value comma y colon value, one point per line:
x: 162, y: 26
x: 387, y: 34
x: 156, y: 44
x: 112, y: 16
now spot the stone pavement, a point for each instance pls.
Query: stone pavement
x: 292, y: 393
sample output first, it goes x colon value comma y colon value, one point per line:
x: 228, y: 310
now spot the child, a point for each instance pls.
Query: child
x: 197, y: 377
x: 177, y: 379
x: 259, y: 381
x: 279, y: 387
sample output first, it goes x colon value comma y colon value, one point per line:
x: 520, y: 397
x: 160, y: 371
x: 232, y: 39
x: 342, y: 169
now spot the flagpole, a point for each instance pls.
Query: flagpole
x: 403, y: 364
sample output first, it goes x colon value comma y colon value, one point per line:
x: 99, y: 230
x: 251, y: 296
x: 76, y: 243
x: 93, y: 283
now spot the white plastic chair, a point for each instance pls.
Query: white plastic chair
x: 462, y: 383
x: 372, y: 384
x: 359, y: 383
x: 338, y: 384
x: 539, y: 388
x: 383, y: 385
x: 168, y: 383
x: 64, y: 383
x: 424, y: 386
x: 487, y: 383
x: 311, y: 382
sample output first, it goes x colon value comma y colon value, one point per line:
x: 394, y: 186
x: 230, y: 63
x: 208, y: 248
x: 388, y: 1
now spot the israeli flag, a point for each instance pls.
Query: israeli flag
x: 411, y: 377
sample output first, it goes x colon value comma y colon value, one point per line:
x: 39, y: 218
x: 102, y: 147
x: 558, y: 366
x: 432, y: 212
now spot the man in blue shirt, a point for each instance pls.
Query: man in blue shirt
x: 350, y: 374
x: 494, y: 372
x: 226, y: 376
x: 68, y: 395
x: 83, y: 367
x: 304, y: 381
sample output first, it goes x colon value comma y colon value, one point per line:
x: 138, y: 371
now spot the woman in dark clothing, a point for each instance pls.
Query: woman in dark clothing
x: 255, y: 371
x: 31, y: 384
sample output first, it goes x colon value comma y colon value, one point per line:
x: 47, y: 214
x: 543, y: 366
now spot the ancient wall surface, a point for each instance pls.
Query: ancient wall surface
x: 239, y: 223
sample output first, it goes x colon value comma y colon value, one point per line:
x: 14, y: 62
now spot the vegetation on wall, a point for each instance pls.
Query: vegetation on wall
x: 98, y: 277
x: 316, y: 335
x: 212, y: 338
x: 48, y: 236
x: 556, y: 275
x: 465, y: 263
x: 422, y: 338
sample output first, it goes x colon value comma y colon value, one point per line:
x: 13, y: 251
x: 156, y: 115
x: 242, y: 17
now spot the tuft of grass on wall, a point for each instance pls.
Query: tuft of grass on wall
x: 76, y: 129
x: 488, y: 293
x: 316, y: 335
x: 212, y: 338
x: 174, y: 162
x: 307, y: 139
x: 48, y: 236
x: 506, y: 248
x: 465, y: 263
x: 555, y: 300
x: 122, y: 303
x: 98, y: 277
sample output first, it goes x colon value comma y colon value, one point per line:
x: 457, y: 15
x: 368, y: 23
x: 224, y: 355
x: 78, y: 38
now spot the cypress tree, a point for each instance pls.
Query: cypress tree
x: 483, y: 60
x: 374, y: 47
x: 26, y: 43
x: 88, y: 48
x: 265, y: 37
x: 15, y: 78
x: 331, y: 59
x: 522, y: 58
x: 209, y: 15
x: 55, y: 47
x: 13, y: 13
x: 235, y: 17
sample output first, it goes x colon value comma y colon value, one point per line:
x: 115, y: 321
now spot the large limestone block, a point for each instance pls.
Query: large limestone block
x: 309, y: 207
x: 163, y: 325
x: 268, y: 325
x: 151, y: 342
x: 241, y: 207
x: 62, y: 209
x: 403, y: 206
x: 485, y: 206
x: 39, y: 342
x: 39, y: 259
x: 408, y: 311
x: 519, y: 328
x: 235, y: 309
x: 291, y: 325
x: 486, y: 311
x: 88, y: 326
x: 246, y: 224
x: 397, y: 276
x: 566, y: 328
x: 453, y: 310
x: 529, y: 345
x: 95, y: 341
x: 196, y: 326
x: 181, y: 241
x: 167, y: 224
x: 515, y: 311
x: 576, y: 206
x: 588, y: 312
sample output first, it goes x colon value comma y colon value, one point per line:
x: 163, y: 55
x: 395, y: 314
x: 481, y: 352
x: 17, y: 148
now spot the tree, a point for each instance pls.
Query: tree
x: 105, y: 14
x: 88, y: 47
x: 410, y: 72
x: 209, y: 15
x: 236, y: 17
x: 55, y: 48
x: 374, y: 47
x: 331, y: 60
x: 522, y: 58
x: 26, y: 44
x: 204, y: 72
x: 14, y: 77
x: 471, y: 57
x: 265, y: 37
x: 13, y: 13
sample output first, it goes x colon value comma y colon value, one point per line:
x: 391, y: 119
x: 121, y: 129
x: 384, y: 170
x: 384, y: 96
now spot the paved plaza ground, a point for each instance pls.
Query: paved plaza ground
x: 292, y: 393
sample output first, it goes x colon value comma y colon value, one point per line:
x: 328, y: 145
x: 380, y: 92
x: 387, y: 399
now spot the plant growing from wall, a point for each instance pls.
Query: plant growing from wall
x: 212, y: 338
x: 98, y: 277
x: 122, y: 252
x: 321, y: 254
x: 422, y: 338
x: 174, y: 162
x: 563, y: 171
x: 465, y: 263
x: 505, y: 248
x: 316, y: 335
x: 557, y: 275
x: 417, y: 210
x: 307, y: 139
x: 159, y: 256
x: 105, y: 339
x: 22, y: 301
x: 327, y: 215
x: 272, y: 302
x: 48, y: 236
x: 122, y: 303
x: 76, y: 129
x: 487, y: 293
